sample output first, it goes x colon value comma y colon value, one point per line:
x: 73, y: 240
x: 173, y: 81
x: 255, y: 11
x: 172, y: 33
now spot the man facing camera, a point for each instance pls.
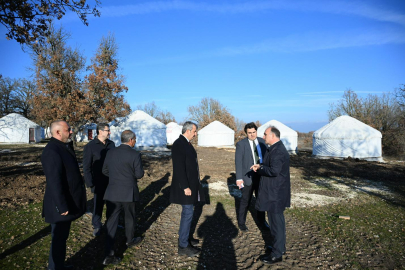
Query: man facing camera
x: 123, y: 166
x: 65, y: 194
x: 93, y: 159
x: 274, y: 191
x: 186, y: 188
x: 249, y: 151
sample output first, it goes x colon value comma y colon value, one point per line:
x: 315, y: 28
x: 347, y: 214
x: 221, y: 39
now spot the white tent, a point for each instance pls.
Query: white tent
x: 88, y: 133
x: 347, y: 137
x: 15, y: 128
x: 288, y: 136
x: 216, y: 134
x: 173, y: 131
x: 150, y: 133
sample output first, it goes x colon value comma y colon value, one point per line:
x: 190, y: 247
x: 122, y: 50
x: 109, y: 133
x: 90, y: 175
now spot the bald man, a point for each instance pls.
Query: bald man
x: 65, y: 194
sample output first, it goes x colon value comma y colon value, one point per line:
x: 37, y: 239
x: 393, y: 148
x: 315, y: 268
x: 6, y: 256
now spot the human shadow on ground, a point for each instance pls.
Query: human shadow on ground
x: 27, y: 242
x: 217, y: 231
x: 148, y: 210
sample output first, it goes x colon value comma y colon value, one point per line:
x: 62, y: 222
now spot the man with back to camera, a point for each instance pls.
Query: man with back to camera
x: 274, y: 191
x: 186, y: 188
x: 93, y: 159
x: 65, y: 194
x: 123, y: 165
x: 249, y: 151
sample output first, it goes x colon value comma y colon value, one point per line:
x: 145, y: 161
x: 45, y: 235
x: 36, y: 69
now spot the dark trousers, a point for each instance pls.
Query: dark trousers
x: 98, y: 210
x: 185, y: 224
x: 57, y: 253
x: 113, y: 211
x: 278, y: 234
x: 247, y: 193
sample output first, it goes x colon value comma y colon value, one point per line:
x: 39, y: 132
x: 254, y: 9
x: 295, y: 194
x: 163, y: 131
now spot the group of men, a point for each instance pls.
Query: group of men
x: 112, y: 174
x: 263, y: 166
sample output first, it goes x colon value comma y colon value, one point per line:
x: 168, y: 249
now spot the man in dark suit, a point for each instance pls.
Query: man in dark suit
x: 274, y: 191
x: 186, y: 188
x: 249, y: 151
x: 93, y: 159
x: 123, y: 165
x: 65, y: 193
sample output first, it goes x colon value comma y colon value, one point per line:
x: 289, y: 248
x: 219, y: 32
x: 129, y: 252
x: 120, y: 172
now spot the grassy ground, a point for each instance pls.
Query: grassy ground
x: 375, y: 228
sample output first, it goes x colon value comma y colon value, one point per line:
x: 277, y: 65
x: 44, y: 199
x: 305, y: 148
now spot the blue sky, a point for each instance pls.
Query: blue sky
x: 264, y: 60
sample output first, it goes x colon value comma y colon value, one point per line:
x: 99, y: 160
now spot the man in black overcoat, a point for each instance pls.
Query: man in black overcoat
x: 123, y: 166
x: 274, y: 191
x: 65, y: 193
x: 249, y: 151
x: 93, y: 159
x: 186, y: 188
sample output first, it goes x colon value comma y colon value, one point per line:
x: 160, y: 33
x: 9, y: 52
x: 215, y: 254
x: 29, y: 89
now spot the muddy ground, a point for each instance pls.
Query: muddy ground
x: 223, y: 245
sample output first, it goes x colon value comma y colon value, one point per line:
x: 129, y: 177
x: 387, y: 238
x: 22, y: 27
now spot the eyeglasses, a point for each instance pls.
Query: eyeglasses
x: 106, y: 130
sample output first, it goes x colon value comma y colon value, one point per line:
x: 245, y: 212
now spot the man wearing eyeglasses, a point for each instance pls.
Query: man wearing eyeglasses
x: 93, y: 159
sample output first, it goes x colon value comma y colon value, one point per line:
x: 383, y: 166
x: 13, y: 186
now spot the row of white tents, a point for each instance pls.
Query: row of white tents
x: 343, y: 137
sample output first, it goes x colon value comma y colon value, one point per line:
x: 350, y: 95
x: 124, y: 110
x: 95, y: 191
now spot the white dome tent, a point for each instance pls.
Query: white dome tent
x: 15, y: 128
x: 216, y: 134
x: 289, y: 137
x: 173, y: 131
x: 347, y: 137
x: 150, y: 133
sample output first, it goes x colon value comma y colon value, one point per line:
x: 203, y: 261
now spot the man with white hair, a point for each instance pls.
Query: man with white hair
x: 65, y: 193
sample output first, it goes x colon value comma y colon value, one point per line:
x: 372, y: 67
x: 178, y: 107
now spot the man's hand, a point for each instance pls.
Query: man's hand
x: 187, y: 191
x: 239, y: 183
x: 255, y: 167
x: 64, y: 214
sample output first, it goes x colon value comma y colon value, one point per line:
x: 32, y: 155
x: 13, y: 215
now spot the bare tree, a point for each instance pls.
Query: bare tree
x: 153, y: 110
x: 28, y: 21
x: 381, y: 112
x: 209, y: 110
x: 7, y: 88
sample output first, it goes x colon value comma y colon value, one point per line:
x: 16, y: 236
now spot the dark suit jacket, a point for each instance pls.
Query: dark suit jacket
x: 244, y: 160
x: 93, y: 160
x: 185, y: 173
x: 65, y: 190
x: 275, y: 187
x: 124, y: 167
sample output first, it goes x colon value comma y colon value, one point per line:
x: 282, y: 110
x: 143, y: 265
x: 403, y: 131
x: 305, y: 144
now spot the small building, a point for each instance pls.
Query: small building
x: 216, y: 134
x: 15, y: 128
x: 173, y: 131
x: 88, y: 133
x: 347, y: 137
x: 288, y: 136
x: 150, y: 133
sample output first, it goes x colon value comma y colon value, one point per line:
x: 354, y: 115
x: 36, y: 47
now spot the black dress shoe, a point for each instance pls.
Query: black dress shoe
x: 271, y: 260
x: 193, y: 241
x: 243, y: 227
x: 135, y: 241
x: 111, y: 260
x: 189, y: 251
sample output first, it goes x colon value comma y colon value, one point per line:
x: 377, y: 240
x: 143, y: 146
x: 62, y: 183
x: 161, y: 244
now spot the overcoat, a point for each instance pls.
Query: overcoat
x: 275, y: 188
x: 244, y: 160
x: 123, y: 165
x: 185, y: 173
x: 65, y: 190
x: 93, y: 159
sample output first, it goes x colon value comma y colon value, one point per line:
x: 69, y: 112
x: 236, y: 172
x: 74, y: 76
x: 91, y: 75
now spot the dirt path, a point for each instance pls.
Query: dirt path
x: 223, y: 245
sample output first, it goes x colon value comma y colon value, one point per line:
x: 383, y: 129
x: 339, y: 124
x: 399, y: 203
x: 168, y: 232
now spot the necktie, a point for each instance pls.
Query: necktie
x: 257, y: 159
